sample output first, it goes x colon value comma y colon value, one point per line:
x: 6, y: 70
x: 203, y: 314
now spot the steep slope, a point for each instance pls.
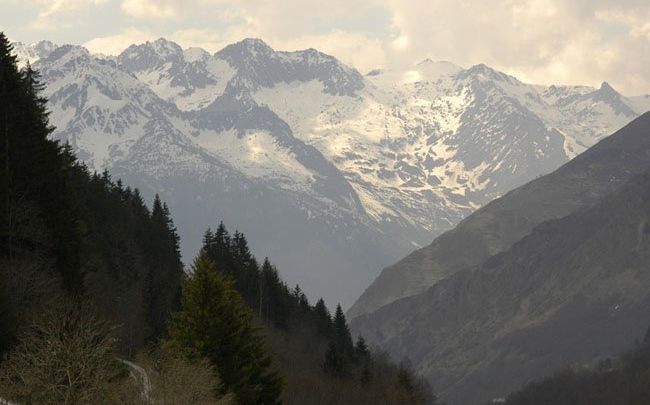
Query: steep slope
x: 573, y: 291
x: 495, y: 227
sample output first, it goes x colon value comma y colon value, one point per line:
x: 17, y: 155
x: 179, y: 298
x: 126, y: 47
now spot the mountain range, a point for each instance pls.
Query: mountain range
x: 346, y: 171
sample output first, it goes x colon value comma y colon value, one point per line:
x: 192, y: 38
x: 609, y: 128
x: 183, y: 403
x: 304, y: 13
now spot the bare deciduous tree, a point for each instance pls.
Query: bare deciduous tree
x: 65, y: 356
x: 176, y: 380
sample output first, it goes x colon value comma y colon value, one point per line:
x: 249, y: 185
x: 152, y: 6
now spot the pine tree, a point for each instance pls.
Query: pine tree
x: 333, y: 363
x: 271, y: 304
x: 165, y: 268
x: 214, y: 322
x: 361, y: 348
x: 363, y: 360
x: 300, y: 299
x: 323, y: 318
x: 340, y: 352
x: 222, y: 245
x: 208, y: 243
x: 342, y: 336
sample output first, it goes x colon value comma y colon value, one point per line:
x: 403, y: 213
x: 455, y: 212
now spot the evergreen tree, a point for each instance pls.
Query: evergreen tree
x: 208, y: 243
x: 323, y: 318
x: 340, y: 351
x: 363, y: 360
x: 333, y: 363
x: 222, y: 244
x: 165, y: 270
x: 342, y: 336
x: 272, y: 304
x: 214, y: 322
x: 300, y: 299
x: 361, y: 348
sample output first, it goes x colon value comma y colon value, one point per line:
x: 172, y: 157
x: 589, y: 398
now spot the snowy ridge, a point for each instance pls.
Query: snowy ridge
x: 32, y: 52
x: 390, y: 159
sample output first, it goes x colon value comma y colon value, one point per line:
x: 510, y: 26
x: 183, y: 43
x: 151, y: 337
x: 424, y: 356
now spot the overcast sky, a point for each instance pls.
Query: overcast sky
x: 541, y: 41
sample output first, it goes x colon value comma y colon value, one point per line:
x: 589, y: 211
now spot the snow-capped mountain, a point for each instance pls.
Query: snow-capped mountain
x: 331, y: 173
x: 32, y: 52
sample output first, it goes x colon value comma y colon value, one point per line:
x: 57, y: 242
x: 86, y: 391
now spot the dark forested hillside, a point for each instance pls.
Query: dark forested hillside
x: 67, y: 231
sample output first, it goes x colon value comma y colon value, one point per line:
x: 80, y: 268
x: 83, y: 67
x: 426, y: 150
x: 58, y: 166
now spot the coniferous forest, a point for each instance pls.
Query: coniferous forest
x: 97, y: 307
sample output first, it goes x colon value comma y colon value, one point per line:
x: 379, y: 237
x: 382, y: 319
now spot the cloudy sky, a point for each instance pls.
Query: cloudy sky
x: 541, y: 41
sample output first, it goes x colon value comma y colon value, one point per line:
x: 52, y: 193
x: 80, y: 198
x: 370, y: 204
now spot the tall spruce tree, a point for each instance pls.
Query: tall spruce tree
x: 323, y: 318
x: 361, y: 348
x: 166, y: 268
x: 271, y: 302
x: 342, y: 336
x: 214, y: 322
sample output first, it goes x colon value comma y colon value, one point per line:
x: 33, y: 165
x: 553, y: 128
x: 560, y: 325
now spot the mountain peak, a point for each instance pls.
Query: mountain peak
x: 33, y: 52
x: 150, y: 54
x: 195, y: 54
x: 485, y: 73
x: 607, y: 88
x: 44, y: 46
x: 69, y: 52
x: 434, y: 69
x: 254, y: 45
x: 246, y: 49
x: 608, y: 95
x: 164, y: 48
x: 483, y: 70
x: 254, y: 42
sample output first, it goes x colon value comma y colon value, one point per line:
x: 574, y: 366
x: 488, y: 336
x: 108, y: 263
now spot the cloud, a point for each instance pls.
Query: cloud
x: 155, y: 9
x: 544, y: 41
x: 356, y: 50
x: 49, y: 10
x: 115, y: 44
